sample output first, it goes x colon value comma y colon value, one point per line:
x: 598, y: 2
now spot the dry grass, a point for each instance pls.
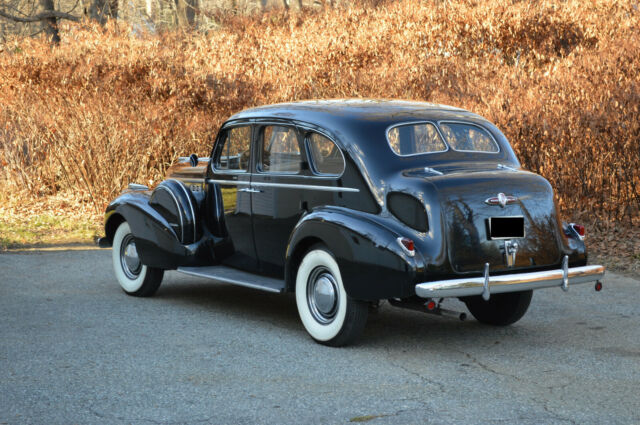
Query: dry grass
x: 108, y: 107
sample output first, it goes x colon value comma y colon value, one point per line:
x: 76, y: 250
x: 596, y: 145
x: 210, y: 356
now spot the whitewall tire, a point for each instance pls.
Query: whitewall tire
x: 134, y: 277
x: 328, y: 314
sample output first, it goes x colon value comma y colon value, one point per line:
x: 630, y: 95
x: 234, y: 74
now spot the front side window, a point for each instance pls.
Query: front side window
x: 234, y: 154
x: 280, y: 151
x: 326, y: 157
x: 413, y: 139
x: 468, y: 137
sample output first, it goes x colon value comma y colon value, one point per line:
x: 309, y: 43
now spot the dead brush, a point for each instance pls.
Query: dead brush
x: 108, y: 107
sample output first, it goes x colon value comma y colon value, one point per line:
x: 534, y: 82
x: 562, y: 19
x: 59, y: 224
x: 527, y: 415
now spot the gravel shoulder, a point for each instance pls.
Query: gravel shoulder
x: 75, y: 349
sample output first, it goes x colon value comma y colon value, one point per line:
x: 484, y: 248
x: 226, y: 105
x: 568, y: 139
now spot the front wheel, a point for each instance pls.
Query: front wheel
x: 135, y: 278
x: 328, y: 314
x: 501, y: 309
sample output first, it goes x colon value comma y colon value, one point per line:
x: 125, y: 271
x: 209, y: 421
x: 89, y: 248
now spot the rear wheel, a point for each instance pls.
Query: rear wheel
x: 501, y: 309
x: 328, y: 314
x: 134, y: 278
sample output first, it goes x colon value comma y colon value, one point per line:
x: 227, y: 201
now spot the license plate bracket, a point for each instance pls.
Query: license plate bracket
x: 506, y: 227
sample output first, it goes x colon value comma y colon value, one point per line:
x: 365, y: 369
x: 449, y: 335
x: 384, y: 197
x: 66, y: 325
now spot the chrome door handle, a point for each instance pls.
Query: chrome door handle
x: 249, y: 190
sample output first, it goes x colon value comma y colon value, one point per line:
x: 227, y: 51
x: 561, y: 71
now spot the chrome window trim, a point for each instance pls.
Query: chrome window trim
x: 312, y: 166
x: 402, y: 124
x: 286, y: 185
x: 474, y: 125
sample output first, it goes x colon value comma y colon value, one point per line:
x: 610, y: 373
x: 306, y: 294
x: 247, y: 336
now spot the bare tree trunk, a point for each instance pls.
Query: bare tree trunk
x: 102, y: 10
x: 50, y: 25
x: 186, y: 12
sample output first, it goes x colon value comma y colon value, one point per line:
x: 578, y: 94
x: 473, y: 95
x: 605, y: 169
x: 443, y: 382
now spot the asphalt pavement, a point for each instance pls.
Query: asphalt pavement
x: 75, y: 349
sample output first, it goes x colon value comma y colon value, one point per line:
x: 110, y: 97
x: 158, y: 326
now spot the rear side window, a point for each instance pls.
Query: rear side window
x: 236, y: 147
x: 468, y: 137
x: 326, y: 157
x: 413, y: 139
x: 280, y: 150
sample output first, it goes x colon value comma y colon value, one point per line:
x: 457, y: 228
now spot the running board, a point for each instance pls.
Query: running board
x: 236, y: 277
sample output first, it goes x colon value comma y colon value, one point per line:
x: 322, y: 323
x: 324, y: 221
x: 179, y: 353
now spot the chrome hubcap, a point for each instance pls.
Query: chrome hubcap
x: 129, y: 259
x: 322, y: 295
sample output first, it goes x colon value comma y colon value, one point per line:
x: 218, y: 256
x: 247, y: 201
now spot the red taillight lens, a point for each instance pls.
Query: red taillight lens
x: 408, y: 244
x: 579, y: 228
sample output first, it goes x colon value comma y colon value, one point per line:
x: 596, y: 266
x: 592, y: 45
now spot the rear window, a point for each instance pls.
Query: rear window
x: 468, y: 137
x: 413, y: 139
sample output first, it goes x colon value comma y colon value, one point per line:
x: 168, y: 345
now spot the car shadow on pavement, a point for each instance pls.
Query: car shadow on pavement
x: 231, y: 300
x: 389, y: 326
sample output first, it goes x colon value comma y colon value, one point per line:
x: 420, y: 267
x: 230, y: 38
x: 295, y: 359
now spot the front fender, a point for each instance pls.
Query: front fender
x: 372, y: 263
x: 156, y: 241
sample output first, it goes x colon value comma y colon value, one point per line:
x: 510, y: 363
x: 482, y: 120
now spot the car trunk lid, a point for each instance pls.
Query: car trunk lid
x: 518, y: 204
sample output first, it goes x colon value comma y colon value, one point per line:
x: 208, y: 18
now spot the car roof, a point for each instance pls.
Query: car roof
x: 351, y: 112
x: 360, y: 127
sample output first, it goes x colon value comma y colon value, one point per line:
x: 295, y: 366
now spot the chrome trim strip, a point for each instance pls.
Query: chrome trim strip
x: 225, y: 279
x: 285, y: 185
x: 433, y: 170
x: 230, y: 182
x: 188, y: 180
x: 306, y: 186
x: 136, y: 186
x: 515, y: 282
x: 193, y: 213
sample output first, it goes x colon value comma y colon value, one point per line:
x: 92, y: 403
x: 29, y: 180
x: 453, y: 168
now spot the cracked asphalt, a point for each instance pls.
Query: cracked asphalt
x: 75, y: 349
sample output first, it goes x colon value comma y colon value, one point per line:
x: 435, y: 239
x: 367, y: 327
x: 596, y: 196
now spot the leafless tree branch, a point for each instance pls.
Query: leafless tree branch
x: 39, y: 17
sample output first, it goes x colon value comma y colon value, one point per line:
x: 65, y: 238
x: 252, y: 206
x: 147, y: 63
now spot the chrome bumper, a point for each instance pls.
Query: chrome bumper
x: 515, y: 282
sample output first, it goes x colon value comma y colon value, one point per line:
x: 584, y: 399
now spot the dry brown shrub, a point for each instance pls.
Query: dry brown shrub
x: 109, y: 107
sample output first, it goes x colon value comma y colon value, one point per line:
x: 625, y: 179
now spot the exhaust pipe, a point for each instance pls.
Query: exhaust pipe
x: 429, y: 307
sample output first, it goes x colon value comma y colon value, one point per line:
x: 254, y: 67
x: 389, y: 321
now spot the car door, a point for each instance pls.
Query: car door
x: 278, y: 198
x: 232, y: 172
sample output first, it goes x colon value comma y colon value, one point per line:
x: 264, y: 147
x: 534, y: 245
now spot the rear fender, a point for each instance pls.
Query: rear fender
x: 372, y: 263
x: 156, y: 241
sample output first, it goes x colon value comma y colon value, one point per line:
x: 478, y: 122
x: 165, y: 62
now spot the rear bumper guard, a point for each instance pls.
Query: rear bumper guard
x: 515, y: 282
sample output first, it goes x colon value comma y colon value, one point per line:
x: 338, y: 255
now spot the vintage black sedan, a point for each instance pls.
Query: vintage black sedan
x: 350, y: 202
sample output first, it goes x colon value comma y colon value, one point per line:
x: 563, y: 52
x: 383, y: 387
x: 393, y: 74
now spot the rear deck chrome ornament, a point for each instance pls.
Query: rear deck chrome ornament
x: 510, y: 251
x: 501, y: 200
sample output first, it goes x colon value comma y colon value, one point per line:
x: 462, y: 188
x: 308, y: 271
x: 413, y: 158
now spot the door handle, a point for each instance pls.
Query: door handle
x: 249, y: 190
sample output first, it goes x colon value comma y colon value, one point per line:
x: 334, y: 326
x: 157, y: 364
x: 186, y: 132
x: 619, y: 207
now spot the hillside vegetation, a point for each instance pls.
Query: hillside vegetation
x: 108, y: 107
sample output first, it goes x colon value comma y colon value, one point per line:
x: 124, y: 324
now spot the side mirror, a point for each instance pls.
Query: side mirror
x: 193, y: 159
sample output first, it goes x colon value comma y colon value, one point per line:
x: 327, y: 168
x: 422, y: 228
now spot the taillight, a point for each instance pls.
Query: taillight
x: 578, y: 228
x: 408, y: 246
